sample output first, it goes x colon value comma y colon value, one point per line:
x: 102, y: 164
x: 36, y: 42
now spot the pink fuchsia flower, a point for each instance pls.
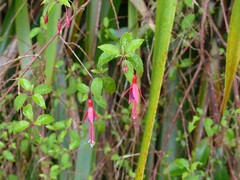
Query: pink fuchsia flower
x: 91, y: 115
x: 134, y: 93
x: 45, y: 18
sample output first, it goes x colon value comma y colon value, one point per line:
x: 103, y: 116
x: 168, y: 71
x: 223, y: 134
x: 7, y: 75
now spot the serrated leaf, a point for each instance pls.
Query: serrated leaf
x: 105, y: 58
x: 82, y: 88
x: 65, y: 2
x: 19, y: 101
x: 100, y: 101
x: 25, y: 84
x: 34, y: 32
x: 109, y: 84
x: 42, y: 89
x: 21, y: 126
x: 110, y: 49
x: 97, y: 86
x: 129, y: 72
x: 187, y: 21
x: 28, y: 112
x: 74, y: 140
x: 126, y: 38
x: 133, y: 45
x: 38, y: 99
x: 136, y: 62
x: 44, y: 119
x: 8, y: 155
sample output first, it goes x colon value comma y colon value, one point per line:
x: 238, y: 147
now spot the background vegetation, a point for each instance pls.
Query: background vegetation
x: 56, y: 54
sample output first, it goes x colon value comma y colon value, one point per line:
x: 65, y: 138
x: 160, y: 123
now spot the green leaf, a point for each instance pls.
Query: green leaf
x: 19, y: 101
x: 21, y: 126
x: 129, y: 73
x: 188, y: 21
x: 82, y: 97
x: 126, y: 38
x: 44, y: 119
x: 191, y: 125
x: 182, y: 163
x: 136, y: 62
x: 189, y: 3
x: 105, y: 58
x: 110, y: 49
x: 42, y: 89
x: 26, y: 84
x: 100, y: 101
x: 109, y: 84
x: 133, y: 45
x: 28, y: 112
x: 194, y: 165
x: 8, y: 155
x: 210, y: 130
x: 38, y: 99
x: 82, y: 88
x: 97, y: 86
x: 201, y: 154
x: 185, y: 63
x: 34, y: 32
x: 54, y: 171
x: 65, y: 2
x: 74, y: 140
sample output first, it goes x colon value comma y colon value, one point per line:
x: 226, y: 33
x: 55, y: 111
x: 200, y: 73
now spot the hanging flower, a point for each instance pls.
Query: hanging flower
x: 91, y: 115
x: 134, y: 93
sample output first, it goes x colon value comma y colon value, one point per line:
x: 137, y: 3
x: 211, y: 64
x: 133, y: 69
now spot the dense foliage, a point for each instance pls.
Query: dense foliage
x: 80, y: 82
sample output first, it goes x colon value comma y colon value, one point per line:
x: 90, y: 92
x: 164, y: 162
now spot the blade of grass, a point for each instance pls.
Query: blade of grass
x: 165, y: 12
x: 22, y: 31
x: 233, y: 52
x: 51, y: 50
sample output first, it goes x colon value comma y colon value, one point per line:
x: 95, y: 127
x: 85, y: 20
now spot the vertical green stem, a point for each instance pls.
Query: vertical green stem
x: 165, y: 13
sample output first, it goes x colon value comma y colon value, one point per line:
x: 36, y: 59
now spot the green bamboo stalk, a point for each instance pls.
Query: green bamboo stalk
x: 51, y: 50
x: 233, y: 52
x: 165, y: 12
x: 23, y: 31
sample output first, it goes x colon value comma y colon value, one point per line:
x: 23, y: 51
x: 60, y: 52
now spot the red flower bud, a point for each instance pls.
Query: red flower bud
x: 46, y: 18
x: 59, y: 26
x: 68, y: 21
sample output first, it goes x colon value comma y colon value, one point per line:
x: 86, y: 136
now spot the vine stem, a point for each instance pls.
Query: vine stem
x: 165, y: 12
x: 41, y: 51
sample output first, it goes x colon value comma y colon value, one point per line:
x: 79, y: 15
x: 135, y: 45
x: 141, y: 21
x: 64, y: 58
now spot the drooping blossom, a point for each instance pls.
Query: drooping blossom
x: 134, y: 93
x: 125, y: 68
x: 91, y: 115
x: 46, y: 18
x: 59, y: 25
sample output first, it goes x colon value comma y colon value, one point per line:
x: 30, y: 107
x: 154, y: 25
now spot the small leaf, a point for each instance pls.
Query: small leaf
x: 188, y: 21
x: 110, y: 49
x: 42, y: 89
x: 82, y: 97
x: 97, y: 86
x: 126, y: 38
x: 133, y: 45
x: 189, y: 3
x: 19, y: 101
x: 44, y: 119
x: 65, y: 2
x: 28, y: 112
x: 82, y: 88
x: 100, y: 101
x: 208, y: 127
x: 129, y: 72
x: 182, y: 163
x: 105, y: 58
x: 185, y: 63
x: 25, y: 84
x: 109, y: 84
x: 8, y: 155
x: 136, y: 62
x: 74, y: 140
x: 38, y: 99
x: 21, y: 126
x: 34, y: 32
